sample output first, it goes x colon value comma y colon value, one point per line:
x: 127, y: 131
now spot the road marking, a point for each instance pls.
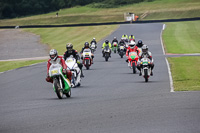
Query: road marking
x: 169, y: 71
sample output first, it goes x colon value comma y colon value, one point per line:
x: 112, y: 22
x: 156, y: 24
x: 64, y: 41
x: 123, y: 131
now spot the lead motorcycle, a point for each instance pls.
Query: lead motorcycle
x: 61, y: 83
x: 132, y: 60
x: 76, y: 72
x: 86, y: 56
x: 145, y: 68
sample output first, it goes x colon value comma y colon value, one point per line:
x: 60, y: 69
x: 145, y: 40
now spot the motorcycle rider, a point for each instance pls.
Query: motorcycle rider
x: 121, y: 43
x: 106, y: 43
x: 132, y: 48
x: 55, y: 59
x: 139, y: 44
x: 145, y: 53
x: 115, y: 40
x: 125, y: 36
x: 95, y: 42
x: 70, y: 51
x: 87, y: 46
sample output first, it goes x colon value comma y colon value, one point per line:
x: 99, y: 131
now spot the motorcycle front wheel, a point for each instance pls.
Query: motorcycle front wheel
x: 58, y: 89
x: 146, y: 75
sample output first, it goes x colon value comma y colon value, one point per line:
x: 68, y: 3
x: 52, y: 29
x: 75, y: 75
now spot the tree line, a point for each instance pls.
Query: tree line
x: 18, y: 8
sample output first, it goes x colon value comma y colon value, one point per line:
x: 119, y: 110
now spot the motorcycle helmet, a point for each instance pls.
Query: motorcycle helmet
x: 86, y: 45
x: 132, y: 44
x: 115, y: 38
x: 69, y: 47
x: 106, y: 41
x: 144, y: 49
x: 94, y: 39
x: 53, y: 54
x: 140, y: 43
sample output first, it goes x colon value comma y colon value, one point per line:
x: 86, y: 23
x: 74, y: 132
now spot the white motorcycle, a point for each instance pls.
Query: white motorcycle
x: 76, y: 72
x: 145, y: 68
x: 93, y: 47
x: 86, y: 56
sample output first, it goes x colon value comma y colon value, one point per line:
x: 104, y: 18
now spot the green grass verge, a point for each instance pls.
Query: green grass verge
x: 158, y: 9
x: 9, y: 65
x: 185, y: 73
x: 57, y: 38
x: 182, y: 37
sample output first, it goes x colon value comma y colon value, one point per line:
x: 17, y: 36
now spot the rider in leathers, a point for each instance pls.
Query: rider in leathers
x: 74, y: 53
x: 55, y: 59
x: 106, y: 43
x: 87, y: 46
x: 145, y: 53
x: 121, y: 43
x: 93, y: 41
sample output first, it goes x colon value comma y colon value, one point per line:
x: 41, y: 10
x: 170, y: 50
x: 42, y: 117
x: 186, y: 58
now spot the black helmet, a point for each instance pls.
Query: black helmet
x: 106, y: 41
x: 144, y: 49
x: 53, y: 54
x: 140, y: 43
x: 87, y: 45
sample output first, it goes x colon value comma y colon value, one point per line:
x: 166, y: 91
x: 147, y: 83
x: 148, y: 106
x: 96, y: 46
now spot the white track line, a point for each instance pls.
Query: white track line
x: 169, y: 71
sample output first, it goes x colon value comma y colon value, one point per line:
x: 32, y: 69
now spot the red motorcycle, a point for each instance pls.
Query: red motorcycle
x: 132, y: 61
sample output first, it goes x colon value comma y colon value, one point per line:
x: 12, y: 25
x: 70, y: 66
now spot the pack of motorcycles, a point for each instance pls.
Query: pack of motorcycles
x: 61, y: 84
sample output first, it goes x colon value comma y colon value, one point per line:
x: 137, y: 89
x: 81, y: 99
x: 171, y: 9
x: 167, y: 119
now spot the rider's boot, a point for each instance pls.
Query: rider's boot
x: 82, y: 76
x: 140, y: 74
x: 151, y: 73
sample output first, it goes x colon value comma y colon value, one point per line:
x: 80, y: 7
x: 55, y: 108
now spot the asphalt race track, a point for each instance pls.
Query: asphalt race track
x: 111, y: 99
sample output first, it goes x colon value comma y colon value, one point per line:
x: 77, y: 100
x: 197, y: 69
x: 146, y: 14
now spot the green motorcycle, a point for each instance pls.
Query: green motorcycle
x: 61, y: 83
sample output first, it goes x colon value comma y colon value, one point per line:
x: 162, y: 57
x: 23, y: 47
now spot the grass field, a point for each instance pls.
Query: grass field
x: 57, y: 38
x: 185, y: 73
x: 182, y: 37
x: 158, y: 9
x: 9, y: 65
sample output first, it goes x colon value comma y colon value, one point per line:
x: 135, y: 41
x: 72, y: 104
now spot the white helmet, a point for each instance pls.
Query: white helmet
x: 93, y: 38
x: 53, y: 54
x: 132, y: 44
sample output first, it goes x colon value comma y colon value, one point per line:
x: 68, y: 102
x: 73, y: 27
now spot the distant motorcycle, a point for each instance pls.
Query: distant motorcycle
x: 145, y: 68
x: 76, y: 72
x: 93, y: 47
x: 132, y: 60
x: 61, y: 83
x: 121, y: 51
x: 107, y: 52
x: 86, y: 56
x: 115, y: 47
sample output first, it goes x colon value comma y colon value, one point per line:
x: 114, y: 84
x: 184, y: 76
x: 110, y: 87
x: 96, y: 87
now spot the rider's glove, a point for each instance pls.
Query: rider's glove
x: 64, y: 71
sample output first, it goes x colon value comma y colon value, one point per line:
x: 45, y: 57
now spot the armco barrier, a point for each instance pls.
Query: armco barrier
x: 96, y: 24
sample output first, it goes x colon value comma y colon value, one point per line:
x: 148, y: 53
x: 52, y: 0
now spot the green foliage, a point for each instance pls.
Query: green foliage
x: 17, y: 8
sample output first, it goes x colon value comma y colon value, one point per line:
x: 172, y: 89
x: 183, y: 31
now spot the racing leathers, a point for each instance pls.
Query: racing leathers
x: 60, y: 61
x: 147, y: 55
x: 75, y: 55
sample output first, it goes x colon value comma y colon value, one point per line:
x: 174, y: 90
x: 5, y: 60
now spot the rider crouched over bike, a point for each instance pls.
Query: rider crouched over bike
x: 70, y: 51
x: 132, y: 48
x: 106, y: 43
x: 147, y: 54
x: 55, y: 59
x: 87, y: 46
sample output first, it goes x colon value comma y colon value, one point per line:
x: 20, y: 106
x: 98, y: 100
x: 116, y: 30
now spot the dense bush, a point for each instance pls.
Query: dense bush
x: 17, y: 8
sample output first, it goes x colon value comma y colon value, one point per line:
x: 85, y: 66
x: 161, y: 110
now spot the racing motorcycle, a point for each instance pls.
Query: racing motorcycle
x: 132, y: 60
x: 121, y: 51
x: 76, y: 72
x: 115, y: 47
x: 107, y: 52
x: 145, y: 68
x: 93, y: 47
x: 86, y: 56
x: 61, y: 83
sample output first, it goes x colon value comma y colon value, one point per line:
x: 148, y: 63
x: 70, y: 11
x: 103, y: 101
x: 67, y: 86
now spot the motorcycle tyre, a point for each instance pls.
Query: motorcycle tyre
x: 134, y: 67
x: 58, y: 90
x: 146, y: 75
x: 87, y: 64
